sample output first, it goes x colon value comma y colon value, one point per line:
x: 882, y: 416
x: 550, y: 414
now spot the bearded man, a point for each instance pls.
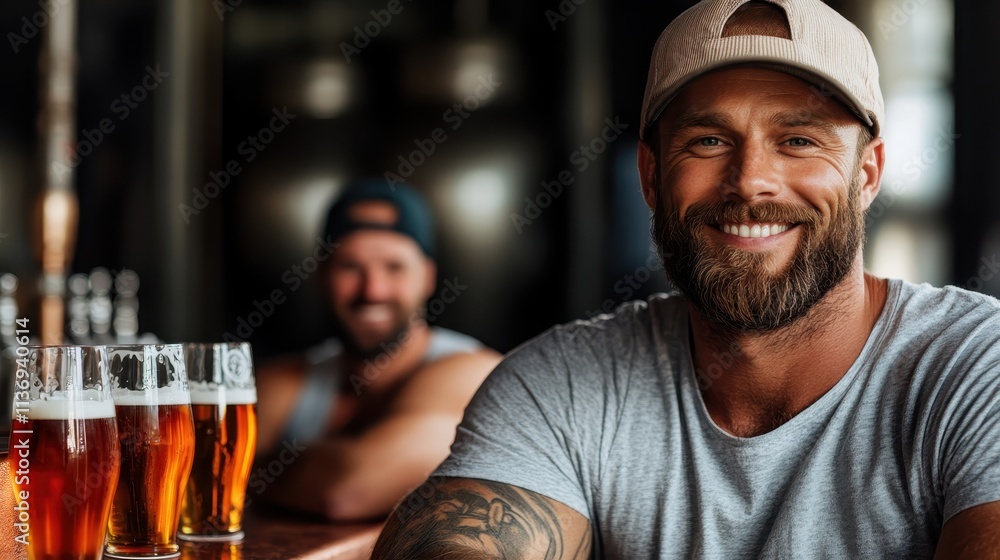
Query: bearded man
x: 362, y: 419
x: 785, y: 404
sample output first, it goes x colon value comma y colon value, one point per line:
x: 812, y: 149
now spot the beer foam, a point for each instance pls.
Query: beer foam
x: 166, y: 396
x: 222, y: 395
x: 64, y: 409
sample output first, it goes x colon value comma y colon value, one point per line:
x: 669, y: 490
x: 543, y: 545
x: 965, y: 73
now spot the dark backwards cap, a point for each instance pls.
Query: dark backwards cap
x: 413, y: 217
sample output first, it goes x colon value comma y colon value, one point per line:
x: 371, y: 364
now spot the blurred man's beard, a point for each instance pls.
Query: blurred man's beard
x: 368, y: 349
x: 732, y: 287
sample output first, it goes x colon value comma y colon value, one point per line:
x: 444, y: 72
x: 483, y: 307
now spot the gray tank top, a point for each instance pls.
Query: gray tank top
x: 323, y: 380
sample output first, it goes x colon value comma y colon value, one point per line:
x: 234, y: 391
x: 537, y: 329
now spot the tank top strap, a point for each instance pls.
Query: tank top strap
x: 445, y: 342
x: 318, y: 395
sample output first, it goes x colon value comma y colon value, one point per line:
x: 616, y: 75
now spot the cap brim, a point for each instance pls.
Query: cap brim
x: 828, y: 85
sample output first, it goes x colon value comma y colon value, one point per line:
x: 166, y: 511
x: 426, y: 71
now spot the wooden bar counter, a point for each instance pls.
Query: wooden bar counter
x: 269, y: 536
x: 284, y: 536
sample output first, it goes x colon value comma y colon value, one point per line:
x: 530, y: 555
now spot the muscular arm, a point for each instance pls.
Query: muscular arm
x: 278, y: 385
x: 364, y: 476
x: 466, y: 519
x: 971, y: 534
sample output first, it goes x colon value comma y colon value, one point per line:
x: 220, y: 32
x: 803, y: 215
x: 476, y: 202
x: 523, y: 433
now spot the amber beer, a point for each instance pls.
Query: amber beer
x: 225, y: 423
x: 157, y: 448
x: 72, y: 454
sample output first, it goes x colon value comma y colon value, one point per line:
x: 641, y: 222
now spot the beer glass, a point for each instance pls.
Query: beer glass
x: 65, y: 454
x: 223, y: 401
x: 153, y: 408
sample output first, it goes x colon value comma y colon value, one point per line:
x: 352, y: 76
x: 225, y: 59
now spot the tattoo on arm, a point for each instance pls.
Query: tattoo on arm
x: 464, y: 519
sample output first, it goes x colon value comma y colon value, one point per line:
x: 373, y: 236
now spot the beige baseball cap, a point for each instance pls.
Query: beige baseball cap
x: 825, y: 49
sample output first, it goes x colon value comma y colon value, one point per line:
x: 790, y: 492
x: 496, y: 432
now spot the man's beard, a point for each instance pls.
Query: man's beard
x: 385, y: 344
x: 732, y: 287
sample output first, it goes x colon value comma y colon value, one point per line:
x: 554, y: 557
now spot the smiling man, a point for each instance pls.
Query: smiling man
x: 375, y: 409
x: 784, y: 403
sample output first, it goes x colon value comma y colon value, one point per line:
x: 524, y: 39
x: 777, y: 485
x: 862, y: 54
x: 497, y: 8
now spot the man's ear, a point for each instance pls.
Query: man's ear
x: 430, y: 270
x: 871, y: 171
x: 647, y: 173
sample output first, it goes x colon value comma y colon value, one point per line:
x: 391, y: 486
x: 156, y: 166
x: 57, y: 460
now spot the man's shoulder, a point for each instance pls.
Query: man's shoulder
x: 475, y: 363
x: 625, y: 341
x: 445, y: 342
x: 946, y: 314
x: 662, y: 313
x: 946, y: 341
x: 447, y: 382
x: 950, y: 296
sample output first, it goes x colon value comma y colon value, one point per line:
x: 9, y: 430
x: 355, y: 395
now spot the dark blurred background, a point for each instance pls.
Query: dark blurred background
x: 236, y: 122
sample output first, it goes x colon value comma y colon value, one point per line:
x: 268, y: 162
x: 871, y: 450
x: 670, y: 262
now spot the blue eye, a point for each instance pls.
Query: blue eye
x: 798, y: 142
x: 709, y: 142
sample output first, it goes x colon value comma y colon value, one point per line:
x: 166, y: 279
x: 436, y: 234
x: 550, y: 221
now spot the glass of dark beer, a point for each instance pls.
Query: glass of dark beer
x: 153, y: 409
x: 223, y: 400
x: 64, y: 453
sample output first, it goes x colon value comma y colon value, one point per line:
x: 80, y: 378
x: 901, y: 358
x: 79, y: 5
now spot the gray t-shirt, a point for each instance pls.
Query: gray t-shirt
x: 605, y: 416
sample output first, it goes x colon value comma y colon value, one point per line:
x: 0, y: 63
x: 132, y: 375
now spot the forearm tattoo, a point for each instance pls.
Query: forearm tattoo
x: 476, y: 520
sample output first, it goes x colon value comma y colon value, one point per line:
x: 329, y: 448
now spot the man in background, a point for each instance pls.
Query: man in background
x: 785, y: 403
x: 376, y: 408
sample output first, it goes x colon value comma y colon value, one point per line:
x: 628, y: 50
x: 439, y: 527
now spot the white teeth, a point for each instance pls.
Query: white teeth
x: 375, y: 313
x: 757, y: 230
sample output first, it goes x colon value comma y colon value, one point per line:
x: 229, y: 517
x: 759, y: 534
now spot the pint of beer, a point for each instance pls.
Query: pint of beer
x: 223, y: 398
x: 64, y: 452
x: 153, y: 408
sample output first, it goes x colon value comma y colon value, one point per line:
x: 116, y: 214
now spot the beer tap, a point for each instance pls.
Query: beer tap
x: 8, y: 310
x: 126, y: 307
x: 8, y: 366
x: 100, y: 306
x: 78, y: 309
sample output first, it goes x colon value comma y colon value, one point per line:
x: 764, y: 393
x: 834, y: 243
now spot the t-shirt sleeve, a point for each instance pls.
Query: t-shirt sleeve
x: 968, y: 426
x: 518, y: 428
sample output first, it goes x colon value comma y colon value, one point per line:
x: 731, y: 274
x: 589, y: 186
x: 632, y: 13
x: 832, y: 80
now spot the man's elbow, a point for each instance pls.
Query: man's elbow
x: 369, y: 494
x: 343, y: 502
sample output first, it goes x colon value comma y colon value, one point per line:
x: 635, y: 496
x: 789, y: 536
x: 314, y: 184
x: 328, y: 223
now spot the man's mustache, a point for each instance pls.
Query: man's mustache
x: 361, y: 302
x: 727, y: 212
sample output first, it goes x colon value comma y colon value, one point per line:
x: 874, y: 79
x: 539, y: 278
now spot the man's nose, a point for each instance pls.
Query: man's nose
x: 375, y: 286
x: 753, y: 174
